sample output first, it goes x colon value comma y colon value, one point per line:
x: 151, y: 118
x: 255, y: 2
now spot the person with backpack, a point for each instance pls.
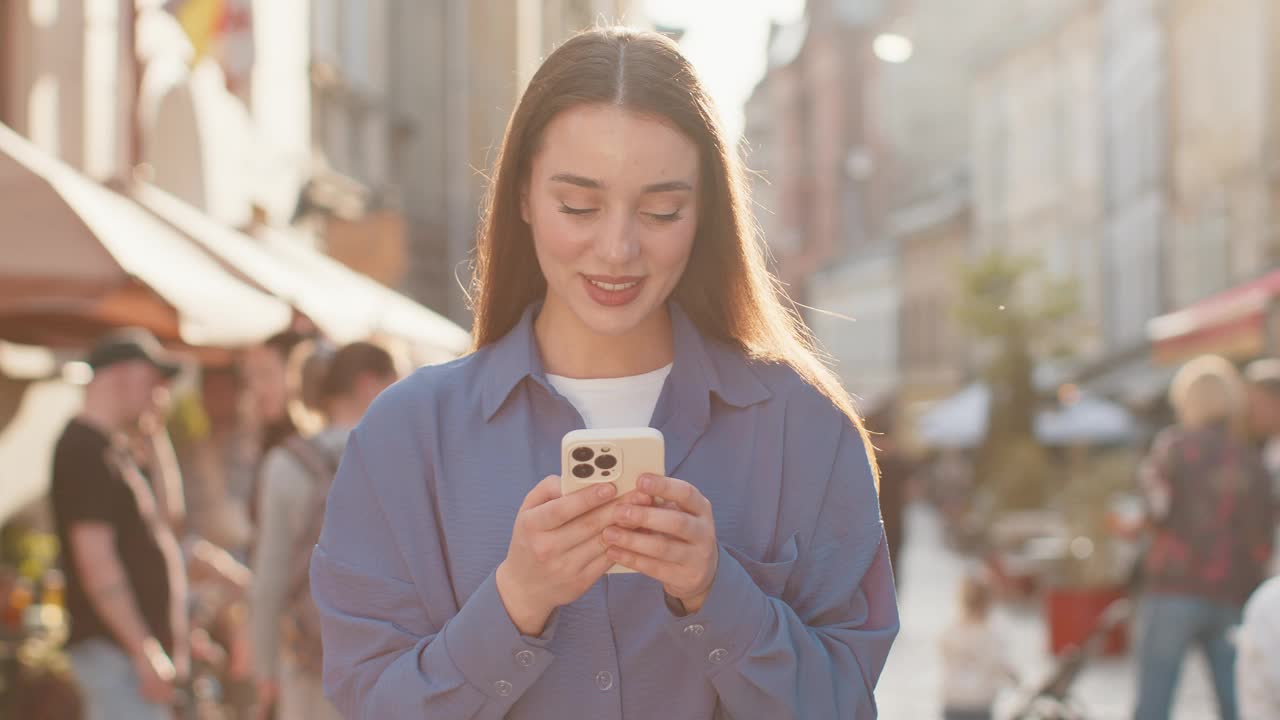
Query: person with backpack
x: 337, y: 387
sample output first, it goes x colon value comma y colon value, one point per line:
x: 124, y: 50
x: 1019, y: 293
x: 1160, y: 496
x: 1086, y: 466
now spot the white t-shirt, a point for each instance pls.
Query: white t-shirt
x: 974, y: 666
x: 613, y: 402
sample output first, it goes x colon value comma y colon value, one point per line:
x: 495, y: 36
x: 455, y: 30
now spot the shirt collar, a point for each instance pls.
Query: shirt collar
x: 702, y: 367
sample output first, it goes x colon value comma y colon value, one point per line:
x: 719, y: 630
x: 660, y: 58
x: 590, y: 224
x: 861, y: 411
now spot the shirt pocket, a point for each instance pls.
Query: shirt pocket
x: 771, y: 576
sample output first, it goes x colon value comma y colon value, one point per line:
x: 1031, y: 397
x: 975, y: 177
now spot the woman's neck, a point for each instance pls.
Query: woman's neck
x: 571, y: 349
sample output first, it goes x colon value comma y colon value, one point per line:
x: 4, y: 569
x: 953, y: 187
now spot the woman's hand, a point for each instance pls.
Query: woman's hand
x: 674, y: 543
x: 556, y: 554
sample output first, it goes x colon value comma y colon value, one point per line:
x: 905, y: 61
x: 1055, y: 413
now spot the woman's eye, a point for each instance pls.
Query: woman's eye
x: 567, y: 210
x: 665, y: 217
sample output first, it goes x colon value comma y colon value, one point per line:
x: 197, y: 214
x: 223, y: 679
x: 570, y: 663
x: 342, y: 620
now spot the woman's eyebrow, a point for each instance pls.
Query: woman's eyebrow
x: 593, y: 184
x: 578, y: 180
x: 669, y: 186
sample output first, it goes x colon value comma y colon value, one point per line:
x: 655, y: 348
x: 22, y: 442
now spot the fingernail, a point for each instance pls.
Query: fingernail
x: 612, y: 535
x: 631, y: 514
x: 646, y: 482
x: 605, y: 491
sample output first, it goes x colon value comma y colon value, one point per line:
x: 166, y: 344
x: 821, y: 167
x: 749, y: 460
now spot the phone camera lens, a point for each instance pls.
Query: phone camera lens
x: 583, y: 471
x: 606, y: 462
x: 583, y: 454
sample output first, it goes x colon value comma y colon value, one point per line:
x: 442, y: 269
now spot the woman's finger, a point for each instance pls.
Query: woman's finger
x: 676, y: 523
x: 555, y: 513
x: 654, y: 545
x: 668, y: 573
x: 673, y: 490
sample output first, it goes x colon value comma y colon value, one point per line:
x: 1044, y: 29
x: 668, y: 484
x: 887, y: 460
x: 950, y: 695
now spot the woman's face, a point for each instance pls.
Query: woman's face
x: 612, y: 200
x: 265, y: 379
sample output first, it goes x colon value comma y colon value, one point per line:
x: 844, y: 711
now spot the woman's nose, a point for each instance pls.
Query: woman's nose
x: 617, y: 243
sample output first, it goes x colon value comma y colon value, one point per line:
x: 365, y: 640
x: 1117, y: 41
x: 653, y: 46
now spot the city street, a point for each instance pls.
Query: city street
x: 910, y: 687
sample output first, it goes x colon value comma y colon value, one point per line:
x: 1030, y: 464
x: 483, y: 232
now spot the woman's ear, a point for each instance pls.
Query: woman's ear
x: 524, y: 203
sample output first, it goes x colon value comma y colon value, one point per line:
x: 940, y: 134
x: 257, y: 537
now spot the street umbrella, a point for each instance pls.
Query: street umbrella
x: 959, y: 421
x: 1088, y: 420
x: 77, y: 258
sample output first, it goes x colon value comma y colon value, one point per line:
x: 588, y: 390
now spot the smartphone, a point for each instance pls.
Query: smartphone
x: 619, y: 456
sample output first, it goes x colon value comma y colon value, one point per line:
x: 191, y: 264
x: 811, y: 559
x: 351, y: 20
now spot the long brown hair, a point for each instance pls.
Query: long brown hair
x: 727, y: 289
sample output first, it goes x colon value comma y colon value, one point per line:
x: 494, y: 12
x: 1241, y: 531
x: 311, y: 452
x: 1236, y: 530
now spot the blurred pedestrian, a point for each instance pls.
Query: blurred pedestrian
x: 266, y: 375
x: 1258, y: 667
x: 895, y: 477
x: 339, y: 387
x: 975, y: 664
x: 1208, y: 501
x: 126, y: 584
x: 1264, y: 416
x: 619, y: 285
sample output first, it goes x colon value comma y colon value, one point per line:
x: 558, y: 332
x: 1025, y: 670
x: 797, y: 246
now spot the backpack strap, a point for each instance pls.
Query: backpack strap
x: 321, y: 466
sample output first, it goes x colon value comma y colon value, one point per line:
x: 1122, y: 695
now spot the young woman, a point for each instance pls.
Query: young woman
x: 618, y: 283
x: 1209, y: 506
x: 337, y: 387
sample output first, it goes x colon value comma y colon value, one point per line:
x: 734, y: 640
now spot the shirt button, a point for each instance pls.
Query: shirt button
x: 525, y: 658
x: 695, y: 630
x: 503, y: 688
x: 604, y: 680
x: 718, y: 655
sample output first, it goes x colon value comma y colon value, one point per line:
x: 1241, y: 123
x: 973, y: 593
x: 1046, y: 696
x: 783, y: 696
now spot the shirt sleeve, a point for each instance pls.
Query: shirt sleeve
x: 814, y: 643
x: 85, y: 490
x: 385, y: 656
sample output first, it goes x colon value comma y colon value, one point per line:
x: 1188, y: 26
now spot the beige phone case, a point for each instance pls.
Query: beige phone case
x: 619, y: 456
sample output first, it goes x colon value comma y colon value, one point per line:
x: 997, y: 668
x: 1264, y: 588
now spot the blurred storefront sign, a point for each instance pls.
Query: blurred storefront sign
x: 83, y: 258
x: 373, y: 245
x: 1240, y: 323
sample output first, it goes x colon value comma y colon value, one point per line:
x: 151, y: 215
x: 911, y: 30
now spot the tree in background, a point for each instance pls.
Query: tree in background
x: 1019, y: 314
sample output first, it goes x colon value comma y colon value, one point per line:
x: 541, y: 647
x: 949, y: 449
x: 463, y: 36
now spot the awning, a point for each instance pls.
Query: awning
x: 344, y: 304
x: 1231, y: 323
x: 77, y: 258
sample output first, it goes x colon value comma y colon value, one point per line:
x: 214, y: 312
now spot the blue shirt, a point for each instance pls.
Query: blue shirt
x: 799, y: 619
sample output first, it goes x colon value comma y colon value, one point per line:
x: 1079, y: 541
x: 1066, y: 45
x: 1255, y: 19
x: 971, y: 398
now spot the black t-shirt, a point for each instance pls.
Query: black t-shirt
x: 89, y: 487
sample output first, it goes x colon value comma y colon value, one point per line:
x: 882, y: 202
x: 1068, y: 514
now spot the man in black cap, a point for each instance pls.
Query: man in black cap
x: 126, y: 586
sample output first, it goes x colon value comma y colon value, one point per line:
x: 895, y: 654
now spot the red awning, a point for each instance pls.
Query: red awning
x: 1231, y: 323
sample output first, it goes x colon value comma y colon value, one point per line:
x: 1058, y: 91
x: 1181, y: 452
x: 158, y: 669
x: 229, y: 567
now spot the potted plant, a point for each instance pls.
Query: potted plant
x: 1092, y: 572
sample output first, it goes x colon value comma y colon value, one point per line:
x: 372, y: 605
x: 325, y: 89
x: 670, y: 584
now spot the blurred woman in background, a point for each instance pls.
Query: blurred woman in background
x: 332, y: 389
x: 1208, y: 501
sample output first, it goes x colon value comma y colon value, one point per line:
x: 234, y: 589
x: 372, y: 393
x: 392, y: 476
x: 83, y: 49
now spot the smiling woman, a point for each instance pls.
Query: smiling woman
x: 618, y: 285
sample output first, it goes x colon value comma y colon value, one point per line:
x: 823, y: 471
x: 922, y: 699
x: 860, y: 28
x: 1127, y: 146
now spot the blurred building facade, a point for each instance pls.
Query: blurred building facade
x: 1037, y: 154
x: 1223, y: 129
x: 817, y: 148
x: 1136, y: 193
x: 66, y: 78
x: 1129, y: 144
x: 366, y: 126
x: 459, y: 69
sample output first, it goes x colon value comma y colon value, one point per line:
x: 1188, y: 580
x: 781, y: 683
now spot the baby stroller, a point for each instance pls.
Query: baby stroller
x: 1051, y: 700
